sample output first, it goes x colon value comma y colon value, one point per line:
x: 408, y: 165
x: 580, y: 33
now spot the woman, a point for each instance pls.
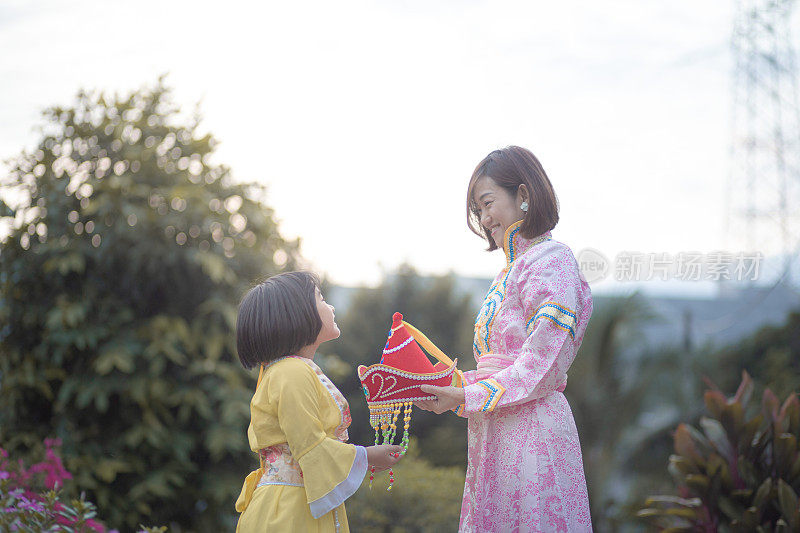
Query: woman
x: 525, y: 471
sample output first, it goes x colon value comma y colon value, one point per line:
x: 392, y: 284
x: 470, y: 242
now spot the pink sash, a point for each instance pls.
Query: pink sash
x: 491, y: 363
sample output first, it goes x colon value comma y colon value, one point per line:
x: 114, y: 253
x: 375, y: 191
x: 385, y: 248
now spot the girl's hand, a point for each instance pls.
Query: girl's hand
x: 383, y: 456
x: 447, y: 398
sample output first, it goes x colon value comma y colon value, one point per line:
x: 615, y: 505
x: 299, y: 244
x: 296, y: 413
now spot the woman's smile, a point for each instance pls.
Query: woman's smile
x: 497, y: 208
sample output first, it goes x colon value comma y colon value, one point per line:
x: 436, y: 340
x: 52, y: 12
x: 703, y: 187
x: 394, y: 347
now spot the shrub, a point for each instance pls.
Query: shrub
x: 739, y: 472
x: 424, y: 498
x: 32, y: 499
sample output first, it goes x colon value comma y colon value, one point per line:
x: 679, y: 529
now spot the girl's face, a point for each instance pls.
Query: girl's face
x: 326, y: 311
x: 497, y: 208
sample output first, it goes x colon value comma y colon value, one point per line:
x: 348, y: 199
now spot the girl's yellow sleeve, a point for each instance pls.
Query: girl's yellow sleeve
x: 332, y: 470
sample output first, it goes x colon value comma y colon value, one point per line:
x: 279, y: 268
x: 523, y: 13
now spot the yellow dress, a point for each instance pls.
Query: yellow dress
x: 298, y: 426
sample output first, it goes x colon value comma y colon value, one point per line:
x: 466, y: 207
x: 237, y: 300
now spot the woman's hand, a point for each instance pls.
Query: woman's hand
x: 383, y: 456
x: 447, y: 398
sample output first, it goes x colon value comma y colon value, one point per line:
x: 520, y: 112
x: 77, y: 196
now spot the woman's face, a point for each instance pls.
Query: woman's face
x: 497, y: 209
x: 329, y: 330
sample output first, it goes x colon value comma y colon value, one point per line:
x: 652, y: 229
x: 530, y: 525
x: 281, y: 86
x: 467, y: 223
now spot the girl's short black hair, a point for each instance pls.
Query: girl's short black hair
x: 277, y: 317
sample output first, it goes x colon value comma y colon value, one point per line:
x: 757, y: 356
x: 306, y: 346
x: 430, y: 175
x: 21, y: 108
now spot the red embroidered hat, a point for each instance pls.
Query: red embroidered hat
x: 402, y: 352
x: 404, y: 367
x: 392, y: 385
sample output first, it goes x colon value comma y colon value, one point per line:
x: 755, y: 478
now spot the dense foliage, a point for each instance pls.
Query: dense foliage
x: 771, y: 356
x: 739, y: 472
x: 128, y: 252
x: 424, y: 498
x: 32, y: 499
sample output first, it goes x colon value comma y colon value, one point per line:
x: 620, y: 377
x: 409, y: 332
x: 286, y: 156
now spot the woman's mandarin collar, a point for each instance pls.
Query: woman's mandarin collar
x: 514, y: 245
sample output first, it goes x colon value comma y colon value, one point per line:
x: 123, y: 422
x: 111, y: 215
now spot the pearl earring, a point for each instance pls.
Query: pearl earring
x: 524, y: 206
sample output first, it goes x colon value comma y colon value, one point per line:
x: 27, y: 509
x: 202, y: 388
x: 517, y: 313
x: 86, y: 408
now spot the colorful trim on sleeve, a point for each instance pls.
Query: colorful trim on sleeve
x: 494, y: 391
x: 345, y: 489
x: 458, y: 381
x: 561, y: 316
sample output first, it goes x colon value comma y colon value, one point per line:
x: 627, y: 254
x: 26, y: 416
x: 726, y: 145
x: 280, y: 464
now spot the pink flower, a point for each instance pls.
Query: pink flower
x: 95, y: 526
x: 271, y: 454
x: 52, y: 467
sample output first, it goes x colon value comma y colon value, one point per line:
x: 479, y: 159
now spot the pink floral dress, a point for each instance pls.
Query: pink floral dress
x: 525, y: 471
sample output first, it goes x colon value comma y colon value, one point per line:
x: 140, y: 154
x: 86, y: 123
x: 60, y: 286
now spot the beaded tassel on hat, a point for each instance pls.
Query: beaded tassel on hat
x: 383, y: 419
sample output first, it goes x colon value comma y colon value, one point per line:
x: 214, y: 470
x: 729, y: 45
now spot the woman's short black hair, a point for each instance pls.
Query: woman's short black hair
x: 277, y: 317
x: 511, y: 168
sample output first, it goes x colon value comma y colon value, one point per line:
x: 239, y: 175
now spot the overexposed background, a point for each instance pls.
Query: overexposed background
x: 366, y: 118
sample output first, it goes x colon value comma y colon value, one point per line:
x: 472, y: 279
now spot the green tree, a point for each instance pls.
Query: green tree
x: 771, y: 356
x: 126, y: 255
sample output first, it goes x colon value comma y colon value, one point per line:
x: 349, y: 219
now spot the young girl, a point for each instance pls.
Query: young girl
x: 299, y: 419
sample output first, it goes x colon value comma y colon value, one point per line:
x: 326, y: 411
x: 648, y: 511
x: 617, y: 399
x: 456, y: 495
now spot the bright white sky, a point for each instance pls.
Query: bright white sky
x: 366, y: 118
